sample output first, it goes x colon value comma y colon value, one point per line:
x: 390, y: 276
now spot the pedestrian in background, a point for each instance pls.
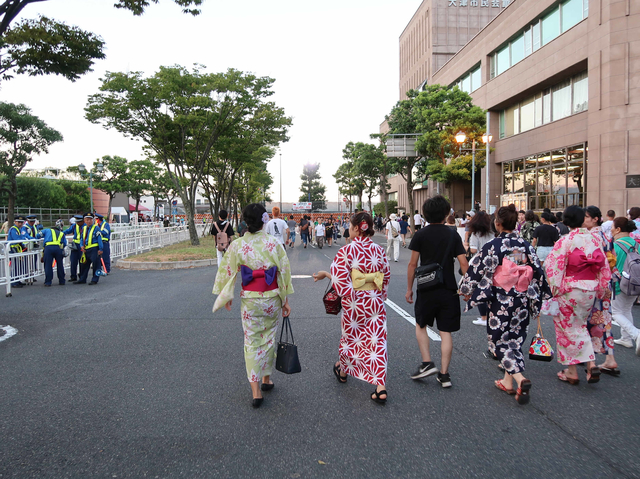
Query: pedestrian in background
x: 404, y: 229
x: 393, y: 236
x: 607, y: 225
x: 54, y: 244
x: 417, y: 220
x: 529, y: 226
x: 441, y: 304
x: 105, y: 231
x: 91, y: 247
x: 507, y: 277
x: 266, y: 284
x: 277, y: 227
x: 544, y: 237
x: 360, y: 274
x: 75, y: 228
x: 221, y: 226
x: 578, y: 273
x: 481, y: 234
x: 292, y: 231
x: 622, y: 305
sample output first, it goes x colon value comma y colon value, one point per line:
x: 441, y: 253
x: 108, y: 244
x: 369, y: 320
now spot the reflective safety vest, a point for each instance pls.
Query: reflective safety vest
x: 17, y: 247
x: 33, y: 230
x: 88, y: 243
x: 78, y: 235
x: 104, y: 236
x: 56, y: 241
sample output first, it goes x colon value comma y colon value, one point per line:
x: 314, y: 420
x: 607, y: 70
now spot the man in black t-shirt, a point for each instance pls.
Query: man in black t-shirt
x: 544, y: 237
x: 440, y: 304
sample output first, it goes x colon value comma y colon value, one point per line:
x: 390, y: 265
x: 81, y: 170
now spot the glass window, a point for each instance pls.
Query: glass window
x: 466, y: 84
x: 544, y: 159
x: 517, y: 50
x: 503, y: 60
x: 502, y: 123
x: 518, y: 165
x: 575, y: 177
x: 586, y: 8
x: 509, y: 121
x: 544, y: 181
x: 558, y: 157
x: 527, y: 114
x: 537, y: 121
x: 516, y: 120
x: 530, y: 162
x: 492, y: 61
x: 536, y: 35
x: 546, y: 107
x: 544, y: 202
x: 576, y: 153
x: 572, y: 11
x: 561, y: 106
x: 528, y: 42
x: 560, y: 202
x: 559, y: 179
x: 550, y: 26
x: 507, y: 185
x: 476, y: 79
x: 518, y: 182
x: 580, y: 93
x: 507, y: 167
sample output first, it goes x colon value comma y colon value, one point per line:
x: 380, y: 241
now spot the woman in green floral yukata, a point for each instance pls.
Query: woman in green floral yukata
x: 263, y: 265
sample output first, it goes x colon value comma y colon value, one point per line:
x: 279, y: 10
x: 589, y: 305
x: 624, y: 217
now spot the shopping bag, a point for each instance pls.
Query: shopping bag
x: 287, y: 355
x: 332, y: 302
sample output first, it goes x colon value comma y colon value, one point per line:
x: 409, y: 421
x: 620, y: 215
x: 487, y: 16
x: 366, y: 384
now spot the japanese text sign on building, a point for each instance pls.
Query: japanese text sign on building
x: 633, y: 181
x: 481, y: 3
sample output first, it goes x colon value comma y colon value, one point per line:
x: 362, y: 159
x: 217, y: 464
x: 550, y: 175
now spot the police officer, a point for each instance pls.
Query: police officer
x: 54, y: 243
x: 105, y: 231
x: 32, y: 230
x: 17, y: 232
x: 74, y: 257
x: 92, y: 247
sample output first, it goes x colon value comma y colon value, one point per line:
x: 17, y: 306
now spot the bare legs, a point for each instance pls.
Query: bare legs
x: 446, y: 348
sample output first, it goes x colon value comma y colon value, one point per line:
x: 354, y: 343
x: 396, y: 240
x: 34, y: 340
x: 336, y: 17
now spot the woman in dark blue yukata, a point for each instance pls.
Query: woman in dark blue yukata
x: 506, y: 275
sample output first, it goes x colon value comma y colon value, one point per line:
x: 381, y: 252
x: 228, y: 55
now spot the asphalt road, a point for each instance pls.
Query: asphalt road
x: 137, y: 378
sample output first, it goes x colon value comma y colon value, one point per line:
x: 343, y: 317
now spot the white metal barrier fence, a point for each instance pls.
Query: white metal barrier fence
x: 125, y: 241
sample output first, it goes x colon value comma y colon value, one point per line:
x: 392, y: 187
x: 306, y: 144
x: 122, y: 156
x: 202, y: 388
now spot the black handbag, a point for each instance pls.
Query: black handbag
x: 431, y: 275
x: 287, y: 357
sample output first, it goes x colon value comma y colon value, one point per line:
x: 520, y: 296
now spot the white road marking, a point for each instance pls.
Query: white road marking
x: 299, y: 276
x: 9, y: 331
x: 432, y: 334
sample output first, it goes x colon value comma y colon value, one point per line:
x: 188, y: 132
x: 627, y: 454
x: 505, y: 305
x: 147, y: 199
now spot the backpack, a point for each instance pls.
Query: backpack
x: 222, y: 238
x: 630, y: 274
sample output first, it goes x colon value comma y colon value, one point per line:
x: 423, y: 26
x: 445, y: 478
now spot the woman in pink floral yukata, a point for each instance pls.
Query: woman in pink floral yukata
x: 578, y: 273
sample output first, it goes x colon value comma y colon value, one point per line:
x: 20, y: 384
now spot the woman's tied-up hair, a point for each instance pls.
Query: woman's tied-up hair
x: 363, y: 226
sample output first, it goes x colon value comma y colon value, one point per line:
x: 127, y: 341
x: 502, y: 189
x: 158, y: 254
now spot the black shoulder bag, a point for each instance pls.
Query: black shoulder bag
x: 431, y: 275
x: 287, y: 359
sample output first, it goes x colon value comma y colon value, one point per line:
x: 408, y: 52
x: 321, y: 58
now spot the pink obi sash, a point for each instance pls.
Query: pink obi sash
x: 260, y: 280
x: 580, y: 267
x: 510, y: 275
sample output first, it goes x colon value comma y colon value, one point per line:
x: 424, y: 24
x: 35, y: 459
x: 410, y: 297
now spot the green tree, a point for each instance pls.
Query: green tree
x: 312, y: 190
x: 383, y: 209
x: 181, y: 116
x: 78, y: 196
x: 140, y: 179
x: 46, y: 46
x: 22, y: 136
x: 113, y: 178
x: 162, y: 188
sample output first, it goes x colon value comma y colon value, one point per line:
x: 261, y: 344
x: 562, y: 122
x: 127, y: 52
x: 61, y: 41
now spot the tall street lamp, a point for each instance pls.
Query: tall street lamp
x: 461, y: 137
x: 83, y: 171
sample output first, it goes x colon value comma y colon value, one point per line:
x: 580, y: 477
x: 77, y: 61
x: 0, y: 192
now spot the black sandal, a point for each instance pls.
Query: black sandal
x: 377, y: 397
x: 336, y: 371
x: 266, y: 386
x: 594, y: 375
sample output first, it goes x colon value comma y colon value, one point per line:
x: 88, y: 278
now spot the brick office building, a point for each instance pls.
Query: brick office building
x: 561, y: 81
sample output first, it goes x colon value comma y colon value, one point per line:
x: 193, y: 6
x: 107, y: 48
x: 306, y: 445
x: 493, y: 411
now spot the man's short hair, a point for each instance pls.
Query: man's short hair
x: 223, y: 214
x: 275, y: 211
x: 611, y: 214
x: 436, y: 209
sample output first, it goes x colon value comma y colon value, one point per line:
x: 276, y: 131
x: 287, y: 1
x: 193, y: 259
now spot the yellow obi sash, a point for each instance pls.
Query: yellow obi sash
x: 366, y: 281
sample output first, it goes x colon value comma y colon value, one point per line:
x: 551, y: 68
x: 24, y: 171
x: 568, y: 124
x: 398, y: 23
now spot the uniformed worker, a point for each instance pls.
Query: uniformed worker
x: 74, y: 257
x: 105, y: 231
x: 17, y: 232
x: 32, y: 229
x: 92, y: 247
x: 54, y: 243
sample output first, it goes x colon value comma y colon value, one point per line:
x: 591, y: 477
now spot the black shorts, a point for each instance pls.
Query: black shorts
x: 440, y: 305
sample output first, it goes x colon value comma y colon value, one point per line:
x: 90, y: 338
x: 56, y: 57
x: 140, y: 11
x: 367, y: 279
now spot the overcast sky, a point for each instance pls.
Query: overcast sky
x: 335, y: 63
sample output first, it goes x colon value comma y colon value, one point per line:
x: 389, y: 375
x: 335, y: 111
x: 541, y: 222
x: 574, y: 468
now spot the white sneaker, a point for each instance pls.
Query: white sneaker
x: 480, y: 322
x: 627, y: 343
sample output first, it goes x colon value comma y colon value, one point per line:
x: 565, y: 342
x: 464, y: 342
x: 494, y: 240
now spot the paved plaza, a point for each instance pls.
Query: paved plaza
x: 137, y: 378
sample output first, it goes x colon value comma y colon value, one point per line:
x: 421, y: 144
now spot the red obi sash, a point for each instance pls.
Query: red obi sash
x: 260, y: 280
x: 510, y: 275
x: 583, y: 268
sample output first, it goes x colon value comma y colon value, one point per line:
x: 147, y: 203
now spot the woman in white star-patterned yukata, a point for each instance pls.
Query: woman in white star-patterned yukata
x: 360, y: 274
x: 262, y: 263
